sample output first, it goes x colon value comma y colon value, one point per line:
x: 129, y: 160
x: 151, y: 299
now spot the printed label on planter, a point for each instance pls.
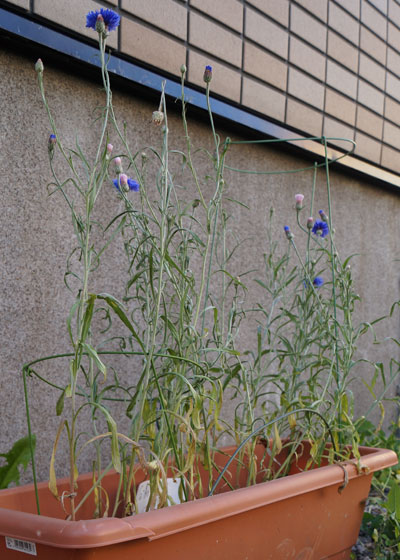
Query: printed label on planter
x: 143, y: 494
x: 21, y: 546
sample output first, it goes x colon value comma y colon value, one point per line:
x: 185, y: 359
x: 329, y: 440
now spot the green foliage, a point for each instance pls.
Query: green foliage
x: 382, y: 520
x: 176, y: 327
x: 18, y: 457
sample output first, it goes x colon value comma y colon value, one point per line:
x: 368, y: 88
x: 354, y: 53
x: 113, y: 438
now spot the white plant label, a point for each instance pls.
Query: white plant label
x: 143, y: 494
x: 22, y: 546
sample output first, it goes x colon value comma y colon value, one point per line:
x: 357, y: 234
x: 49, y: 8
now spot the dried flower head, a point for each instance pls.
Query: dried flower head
x: 157, y: 117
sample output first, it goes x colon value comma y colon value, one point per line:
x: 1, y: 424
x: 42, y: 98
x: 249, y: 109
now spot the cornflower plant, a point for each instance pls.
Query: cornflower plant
x: 178, y: 320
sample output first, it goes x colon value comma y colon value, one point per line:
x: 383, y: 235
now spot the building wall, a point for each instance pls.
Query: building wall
x: 36, y: 235
x: 324, y: 67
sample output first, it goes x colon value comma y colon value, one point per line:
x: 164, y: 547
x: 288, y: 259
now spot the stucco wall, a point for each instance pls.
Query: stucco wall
x: 36, y: 235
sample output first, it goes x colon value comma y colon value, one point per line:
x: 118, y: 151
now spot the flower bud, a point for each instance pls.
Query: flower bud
x: 123, y: 181
x: 324, y: 217
x: 157, y: 117
x: 183, y: 69
x: 207, y: 76
x: 100, y: 25
x: 109, y: 150
x: 39, y: 66
x: 118, y: 164
x: 310, y: 222
x: 299, y: 201
x: 51, y: 144
x: 288, y: 233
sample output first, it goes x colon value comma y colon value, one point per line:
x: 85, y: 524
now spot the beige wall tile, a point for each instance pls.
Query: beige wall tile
x: 371, y: 71
x: 372, y: 45
x: 263, y: 99
x: 266, y: 33
x: 394, y: 36
x: 336, y: 129
x: 394, y: 12
x: 390, y: 159
x: 307, y: 58
x: 304, y: 118
x: 229, y: 12
x: 225, y: 81
x: 343, y: 23
x: 391, y: 134
x: 305, y: 88
x: 309, y: 28
x: 341, y: 79
x: 367, y: 147
x: 370, y: 96
x: 152, y: 47
x: 340, y: 107
x: 342, y: 51
x: 215, y: 39
x: 369, y: 122
x: 265, y: 66
x: 373, y: 19
x: 393, y: 61
x: 167, y: 15
x: 380, y: 5
x: 72, y: 14
x: 21, y: 3
x: 278, y: 11
x: 392, y: 110
x: 392, y: 85
x: 318, y: 7
x: 353, y: 6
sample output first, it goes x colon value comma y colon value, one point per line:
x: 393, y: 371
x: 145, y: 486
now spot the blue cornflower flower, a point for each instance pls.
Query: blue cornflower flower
x: 318, y: 281
x: 111, y: 19
x: 133, y: 185
x: 320, y: 228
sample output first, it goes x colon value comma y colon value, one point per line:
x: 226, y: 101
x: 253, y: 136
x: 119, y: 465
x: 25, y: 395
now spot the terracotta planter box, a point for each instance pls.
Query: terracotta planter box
x: 303, y: 516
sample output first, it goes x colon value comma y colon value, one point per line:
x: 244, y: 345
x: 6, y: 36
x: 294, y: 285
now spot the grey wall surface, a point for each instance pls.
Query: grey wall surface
x: 36, y: 234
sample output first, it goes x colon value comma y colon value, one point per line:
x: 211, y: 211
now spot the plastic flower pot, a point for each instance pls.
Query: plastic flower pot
x: 314, y: 514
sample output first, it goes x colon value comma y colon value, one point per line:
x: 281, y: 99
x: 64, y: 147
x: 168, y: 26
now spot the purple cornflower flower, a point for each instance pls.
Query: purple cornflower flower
x: 320, y: 228
x: 132, y: 185
x: 111, y: 19
x: 318, y: 281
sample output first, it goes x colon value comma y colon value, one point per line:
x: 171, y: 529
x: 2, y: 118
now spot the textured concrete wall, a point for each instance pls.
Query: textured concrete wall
x: 36, y: 235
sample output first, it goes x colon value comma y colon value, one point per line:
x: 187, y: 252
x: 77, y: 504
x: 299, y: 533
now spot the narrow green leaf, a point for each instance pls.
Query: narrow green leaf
x: 94, y: 355
x: 116, y: 306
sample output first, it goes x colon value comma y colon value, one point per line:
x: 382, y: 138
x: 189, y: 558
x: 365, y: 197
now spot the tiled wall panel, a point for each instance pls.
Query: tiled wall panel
x: 319, y: 66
